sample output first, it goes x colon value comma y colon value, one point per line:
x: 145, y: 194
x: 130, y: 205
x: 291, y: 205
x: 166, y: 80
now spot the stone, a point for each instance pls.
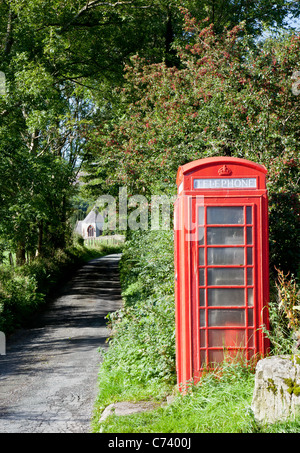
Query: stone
x: 127, y: 408
x: 276, y: 395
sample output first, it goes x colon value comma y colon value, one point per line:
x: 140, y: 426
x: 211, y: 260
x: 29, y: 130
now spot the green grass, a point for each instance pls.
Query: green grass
x: 117, y: 385
x: 219, y: 403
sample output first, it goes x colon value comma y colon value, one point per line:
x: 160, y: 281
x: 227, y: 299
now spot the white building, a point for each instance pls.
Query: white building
x: 91, y: 226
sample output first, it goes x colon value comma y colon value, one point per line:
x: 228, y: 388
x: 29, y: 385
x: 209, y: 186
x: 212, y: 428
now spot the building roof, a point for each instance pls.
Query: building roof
x: 94, y: 217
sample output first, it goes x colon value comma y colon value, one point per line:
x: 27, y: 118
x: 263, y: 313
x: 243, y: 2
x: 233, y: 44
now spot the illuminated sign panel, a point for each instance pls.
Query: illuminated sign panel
x: 225, y: 183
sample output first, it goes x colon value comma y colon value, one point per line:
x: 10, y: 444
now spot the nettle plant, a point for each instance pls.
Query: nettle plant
x: 284, y: 311
x: 289, y: 301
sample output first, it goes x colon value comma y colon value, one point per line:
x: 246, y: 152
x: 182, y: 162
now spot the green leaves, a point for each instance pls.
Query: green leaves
x: 227, y: 96
x: 143, y: 343
x: 223, y: 100
x: 210, y: 95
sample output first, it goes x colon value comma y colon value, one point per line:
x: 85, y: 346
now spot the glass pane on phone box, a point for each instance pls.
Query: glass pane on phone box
x: 201, y: 236
x: 225, y: 235
x: 201, y: 215
x: 225, y: 276
x: 249, y: 235
x: 203, y: 338
x: 249, y: 255
x: 250, y: 297
x: 202, y: 359
x: 249, y: 276
x: 226, y: 317
x: 201, y: 256
x: 201, y: 277
x: 201, y: 297
x: 215, y: 356
x: 226, y: 297
x: 226, y: 337
x: 232, y: 215
x: 250, y: 343
x: 202, y: 318
x: 225, y: 255
x: 250, y: 317
x: 249, y: 214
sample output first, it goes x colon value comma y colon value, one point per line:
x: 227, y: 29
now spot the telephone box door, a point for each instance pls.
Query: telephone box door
x: 227, y: 268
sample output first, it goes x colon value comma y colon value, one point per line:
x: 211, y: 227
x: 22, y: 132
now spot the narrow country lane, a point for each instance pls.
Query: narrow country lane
x: 48, y: 377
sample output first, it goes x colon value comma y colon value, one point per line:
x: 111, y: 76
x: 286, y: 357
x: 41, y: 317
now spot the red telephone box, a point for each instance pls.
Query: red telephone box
x: 221, y: 263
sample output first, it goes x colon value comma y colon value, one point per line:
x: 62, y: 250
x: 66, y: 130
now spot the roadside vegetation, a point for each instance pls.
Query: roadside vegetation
x: 140, y: 363
x: 24, y: 290
x: 220, y: 403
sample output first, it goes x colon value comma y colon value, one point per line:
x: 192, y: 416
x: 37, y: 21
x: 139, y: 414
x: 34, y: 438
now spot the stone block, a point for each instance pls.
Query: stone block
x: 276, y: 395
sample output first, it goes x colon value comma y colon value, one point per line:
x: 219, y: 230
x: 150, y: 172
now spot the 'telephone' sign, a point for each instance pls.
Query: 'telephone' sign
x: 225, y: 183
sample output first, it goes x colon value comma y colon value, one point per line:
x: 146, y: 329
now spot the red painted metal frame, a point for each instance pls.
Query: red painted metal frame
x: 188, y: 344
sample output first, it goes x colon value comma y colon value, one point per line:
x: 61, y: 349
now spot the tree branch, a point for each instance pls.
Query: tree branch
x: 94, y: 4
x: 9, y: 39
x: 89, y: 6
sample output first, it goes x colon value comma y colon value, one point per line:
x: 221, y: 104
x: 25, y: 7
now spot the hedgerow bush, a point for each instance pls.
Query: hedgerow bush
x: 284, y: 310
x: 23, y: 289
x: 142, y: 346
x: 19, y: 297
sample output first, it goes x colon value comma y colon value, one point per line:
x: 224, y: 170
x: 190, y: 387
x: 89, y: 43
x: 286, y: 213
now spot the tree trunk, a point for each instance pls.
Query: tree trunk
x: 169, y: 38
x: 9, y: 39
x: 11, y: 261
x: 21, y: 254
x: 40, y: 238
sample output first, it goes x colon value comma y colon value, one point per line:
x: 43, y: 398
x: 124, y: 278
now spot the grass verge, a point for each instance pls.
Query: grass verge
x: 219, y: 403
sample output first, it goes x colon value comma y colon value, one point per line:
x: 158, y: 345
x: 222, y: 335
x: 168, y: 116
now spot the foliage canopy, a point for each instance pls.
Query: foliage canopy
x: 196, y: 89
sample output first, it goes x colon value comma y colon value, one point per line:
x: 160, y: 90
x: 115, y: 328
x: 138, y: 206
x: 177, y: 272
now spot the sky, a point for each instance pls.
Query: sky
x: 294, y: 22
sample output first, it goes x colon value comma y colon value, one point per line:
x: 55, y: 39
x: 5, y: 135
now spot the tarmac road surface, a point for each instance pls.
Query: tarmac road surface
x: 48, y: 377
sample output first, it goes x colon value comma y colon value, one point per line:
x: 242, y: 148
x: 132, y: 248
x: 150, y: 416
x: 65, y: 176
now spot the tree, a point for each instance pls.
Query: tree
x: 62, y: 61
x: 41, y: 121
x: 257, y: 14
x: 227, y: 98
